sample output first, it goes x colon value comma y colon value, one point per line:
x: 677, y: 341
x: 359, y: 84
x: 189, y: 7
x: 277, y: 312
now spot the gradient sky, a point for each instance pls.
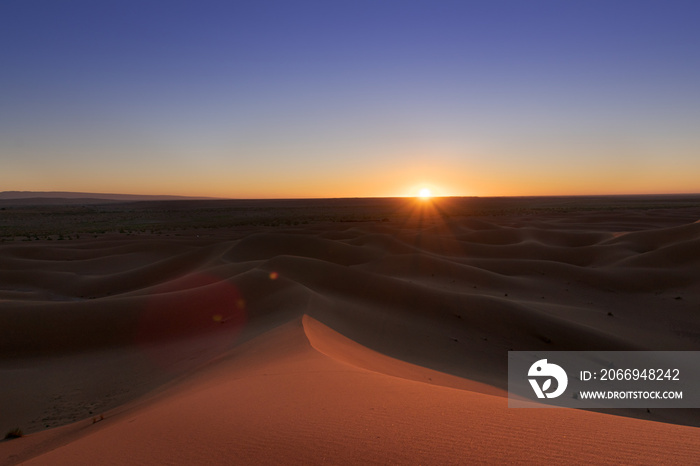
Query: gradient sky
x: 333, y: 98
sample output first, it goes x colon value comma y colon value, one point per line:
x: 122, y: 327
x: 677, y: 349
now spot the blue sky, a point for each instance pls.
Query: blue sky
x: 350, y: 98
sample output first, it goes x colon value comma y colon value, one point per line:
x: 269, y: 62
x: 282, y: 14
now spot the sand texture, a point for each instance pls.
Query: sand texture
x: 341, y: 342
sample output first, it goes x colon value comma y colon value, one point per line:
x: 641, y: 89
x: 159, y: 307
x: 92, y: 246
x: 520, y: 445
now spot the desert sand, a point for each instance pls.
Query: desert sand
x: 339, y: 340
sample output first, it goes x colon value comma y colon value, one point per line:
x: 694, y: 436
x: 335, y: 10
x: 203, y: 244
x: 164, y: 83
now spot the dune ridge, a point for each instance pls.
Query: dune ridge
x: 318, y: 408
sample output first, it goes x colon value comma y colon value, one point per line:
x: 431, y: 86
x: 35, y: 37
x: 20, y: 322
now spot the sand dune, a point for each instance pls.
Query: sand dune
x: 340, y: 343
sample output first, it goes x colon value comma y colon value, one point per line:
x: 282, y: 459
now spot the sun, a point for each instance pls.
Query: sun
x: 424, y: 193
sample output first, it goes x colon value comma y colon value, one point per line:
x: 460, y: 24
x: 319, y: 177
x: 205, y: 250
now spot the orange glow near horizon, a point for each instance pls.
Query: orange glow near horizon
x: 381, y: 180
x: 391, y: 171
x: 283, y: 189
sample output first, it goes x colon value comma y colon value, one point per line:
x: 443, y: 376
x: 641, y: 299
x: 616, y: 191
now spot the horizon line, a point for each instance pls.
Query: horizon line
x: 176, y: 197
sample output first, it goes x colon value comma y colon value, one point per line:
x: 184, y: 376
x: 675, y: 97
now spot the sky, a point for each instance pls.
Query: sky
x: 335, y: 98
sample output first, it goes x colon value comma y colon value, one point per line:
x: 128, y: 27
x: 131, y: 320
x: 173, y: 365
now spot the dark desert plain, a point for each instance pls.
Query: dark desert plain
x: 334, y: 331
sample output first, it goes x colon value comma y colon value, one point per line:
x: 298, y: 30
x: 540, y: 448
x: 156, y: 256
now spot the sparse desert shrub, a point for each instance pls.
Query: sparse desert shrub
x: 14, y: 433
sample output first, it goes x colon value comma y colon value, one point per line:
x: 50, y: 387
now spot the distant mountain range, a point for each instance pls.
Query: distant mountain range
x: 55, y: 197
